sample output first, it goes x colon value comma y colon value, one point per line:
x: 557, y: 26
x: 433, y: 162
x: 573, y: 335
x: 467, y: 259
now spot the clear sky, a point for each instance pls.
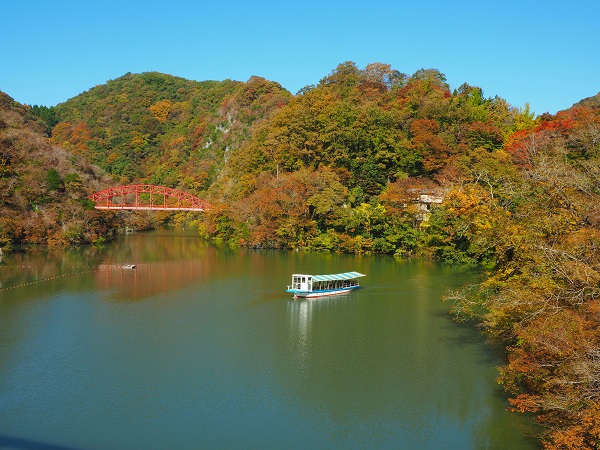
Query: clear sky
x: 546, y: 53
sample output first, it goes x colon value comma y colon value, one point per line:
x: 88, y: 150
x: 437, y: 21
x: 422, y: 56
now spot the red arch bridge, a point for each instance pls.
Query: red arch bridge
x: 147, y: 196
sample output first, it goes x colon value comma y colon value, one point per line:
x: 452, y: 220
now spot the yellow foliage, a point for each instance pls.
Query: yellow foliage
x: 160, y: 110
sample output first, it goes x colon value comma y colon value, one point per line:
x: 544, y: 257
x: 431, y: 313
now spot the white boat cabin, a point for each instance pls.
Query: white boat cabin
x: 301, y: 282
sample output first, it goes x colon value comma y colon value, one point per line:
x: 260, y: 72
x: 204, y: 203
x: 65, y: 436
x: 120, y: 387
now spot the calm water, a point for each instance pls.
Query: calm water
x: 201, y: 347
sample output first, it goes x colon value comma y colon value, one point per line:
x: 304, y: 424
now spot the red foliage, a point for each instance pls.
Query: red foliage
x: 549, y: 128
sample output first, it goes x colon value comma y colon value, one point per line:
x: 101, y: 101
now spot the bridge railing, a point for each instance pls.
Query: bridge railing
x: 147, y: 197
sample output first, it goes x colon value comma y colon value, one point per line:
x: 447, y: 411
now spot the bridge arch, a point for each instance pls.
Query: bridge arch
x: 148, y: 197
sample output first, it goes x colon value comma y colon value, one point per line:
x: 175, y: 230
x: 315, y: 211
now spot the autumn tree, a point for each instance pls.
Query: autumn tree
x: 542, y: 297
x: 426, y: 140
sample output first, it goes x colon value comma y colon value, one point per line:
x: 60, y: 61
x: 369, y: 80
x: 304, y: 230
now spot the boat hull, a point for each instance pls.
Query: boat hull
x: 323, y: 293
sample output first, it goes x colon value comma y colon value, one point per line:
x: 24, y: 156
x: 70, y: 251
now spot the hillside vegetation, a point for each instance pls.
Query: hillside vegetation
x: 161, y: 129
x: 347, y: 165
x: 44, y: 188
x: 329, y: 169
x: 537, y: 215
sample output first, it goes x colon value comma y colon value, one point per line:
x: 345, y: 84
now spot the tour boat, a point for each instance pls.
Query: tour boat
x: 128, y: 266
x: 323, y: 285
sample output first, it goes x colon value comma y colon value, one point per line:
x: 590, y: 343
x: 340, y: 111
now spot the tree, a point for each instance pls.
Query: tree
x: 55, y: 182
x: 425, y: 139
x: 47, y: 114
x: 432, y: 76
x: 384, y: 74
x: 343, y: 78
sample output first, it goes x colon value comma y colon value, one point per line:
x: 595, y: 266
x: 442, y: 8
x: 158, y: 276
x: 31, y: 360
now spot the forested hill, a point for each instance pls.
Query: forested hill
x: 162, y: 129
x: 318, y: 170
x: 43, y: 188
x: 592, y: 102
x: 290, y: 171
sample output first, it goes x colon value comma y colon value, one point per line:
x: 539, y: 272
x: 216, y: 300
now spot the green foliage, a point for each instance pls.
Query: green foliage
x: 87, y: 204
x: 47, y: 114
x: 524, y: 118
x: 354, y: 133
x: 55, y: 182
x: 137, y: 124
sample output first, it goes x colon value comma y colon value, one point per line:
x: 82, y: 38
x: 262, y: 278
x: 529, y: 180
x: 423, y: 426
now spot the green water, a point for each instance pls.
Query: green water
x: 200, y: 347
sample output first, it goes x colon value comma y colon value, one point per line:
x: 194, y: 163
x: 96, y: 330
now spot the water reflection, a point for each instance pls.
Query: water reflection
x: 43, y: 271
x: 163, y: 264
x: 300, y: 316
x: 299, y: 320
x: 218, y: 356
x: 149, y: 279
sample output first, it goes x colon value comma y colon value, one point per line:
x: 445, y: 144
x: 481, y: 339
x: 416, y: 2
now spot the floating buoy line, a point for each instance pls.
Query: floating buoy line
x: 30, y: 283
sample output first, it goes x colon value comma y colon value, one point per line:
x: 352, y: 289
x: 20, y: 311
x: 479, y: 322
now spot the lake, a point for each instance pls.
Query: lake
x: 201, y: 347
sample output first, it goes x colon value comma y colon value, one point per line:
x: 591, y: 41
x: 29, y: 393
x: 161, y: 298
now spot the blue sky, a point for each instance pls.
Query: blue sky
x: 545, y: 53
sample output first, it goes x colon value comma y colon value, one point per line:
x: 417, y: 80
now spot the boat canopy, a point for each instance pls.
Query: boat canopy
x: 338, y: 276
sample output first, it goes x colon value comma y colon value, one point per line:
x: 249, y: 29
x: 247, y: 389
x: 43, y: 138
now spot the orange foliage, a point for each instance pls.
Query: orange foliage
x: 61, y: 133
x: 524, y: 403
x: 580, y: 431
x: 160, y: 110
x: 75, y: 137
x: 425, y: 139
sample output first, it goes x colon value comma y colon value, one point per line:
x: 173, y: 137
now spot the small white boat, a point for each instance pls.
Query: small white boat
x: 309, y: 286
x: 128, y: 266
